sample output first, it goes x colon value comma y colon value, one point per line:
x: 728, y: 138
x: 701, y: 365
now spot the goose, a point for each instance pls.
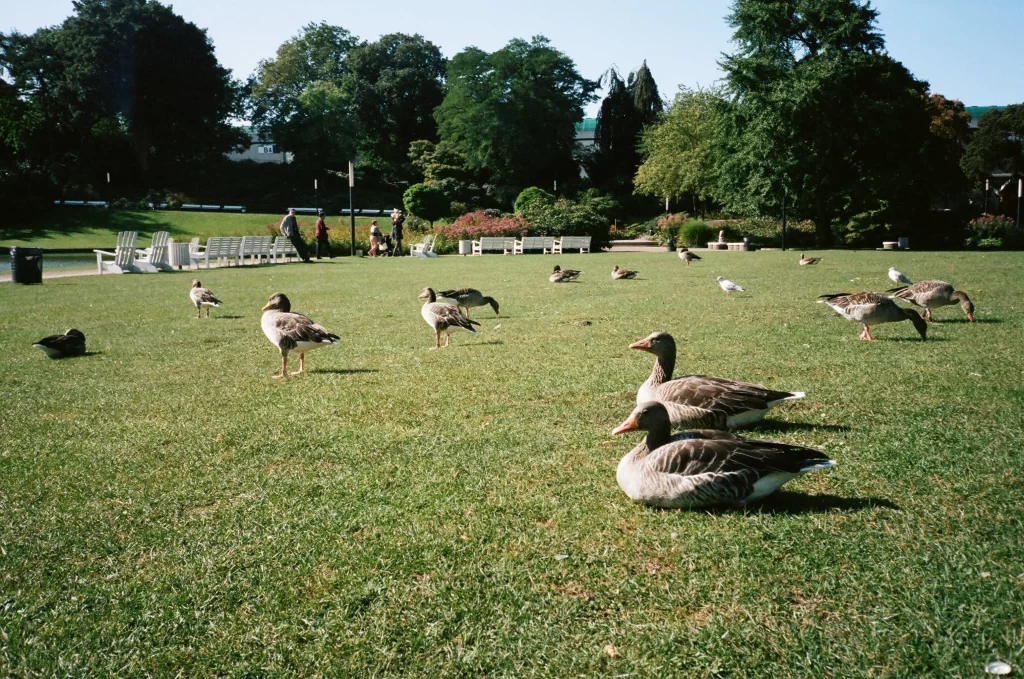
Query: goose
x: 705, y: 468
x: 688, y: 256
x: 468, y: 297
x: 443, y: 318
x: 804, y: 261
x: 71, y: 343
x: 564, y: 276
x: 698, y: 401
x: 202, y: 297
x: 898, y: 277
x: 871, y: 308
x: 729, y: 286
x: 621, y: 274
x: 934, y: 294
x: 290, y: 331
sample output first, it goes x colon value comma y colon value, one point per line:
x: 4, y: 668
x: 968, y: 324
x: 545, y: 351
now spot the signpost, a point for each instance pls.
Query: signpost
x: 351, y: 210
x: 316, y: 195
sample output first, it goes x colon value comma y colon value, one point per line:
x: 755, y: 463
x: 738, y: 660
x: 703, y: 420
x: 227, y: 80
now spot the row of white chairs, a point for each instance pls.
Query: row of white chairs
x: 166, y: 255
x: 546, y: 244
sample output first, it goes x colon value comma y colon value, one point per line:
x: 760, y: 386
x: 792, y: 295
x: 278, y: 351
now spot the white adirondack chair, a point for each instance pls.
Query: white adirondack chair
x: 157, y: 255
x: 426, y: 248
x: 123, y: 256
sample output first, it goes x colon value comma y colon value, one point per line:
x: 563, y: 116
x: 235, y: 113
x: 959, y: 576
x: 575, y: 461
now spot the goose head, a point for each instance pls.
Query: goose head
x: 915, y: 318
x: 196, y: 284
x: 278, y: 302
x: 965, y: 303
x: 557, y: 269
x: 658, y: 343
x: 71, y: 332
x: 428, y: 294
x: 651, y: 417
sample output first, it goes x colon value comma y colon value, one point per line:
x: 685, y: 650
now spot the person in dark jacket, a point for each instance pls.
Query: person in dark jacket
x: 323, y: 243
x: 397, y: 219
x: 290, y: 230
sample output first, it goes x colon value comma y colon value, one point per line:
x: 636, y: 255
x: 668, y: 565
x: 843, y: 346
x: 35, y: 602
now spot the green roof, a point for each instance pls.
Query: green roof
x: 588, y: 125
x: 976, y: 112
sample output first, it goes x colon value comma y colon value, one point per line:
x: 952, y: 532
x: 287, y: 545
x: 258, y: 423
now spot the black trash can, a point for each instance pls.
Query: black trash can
x: 26, y: 265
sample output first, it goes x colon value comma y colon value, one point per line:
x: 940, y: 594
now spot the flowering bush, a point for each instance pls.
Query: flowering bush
x: 994, y: 231
x: 474, y: 225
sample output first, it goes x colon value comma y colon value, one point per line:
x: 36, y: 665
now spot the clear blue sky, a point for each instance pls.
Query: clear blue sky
x: 970, y: 51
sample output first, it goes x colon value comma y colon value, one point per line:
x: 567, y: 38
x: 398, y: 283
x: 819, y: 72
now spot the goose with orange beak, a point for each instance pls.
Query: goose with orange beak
x: 705, y: 468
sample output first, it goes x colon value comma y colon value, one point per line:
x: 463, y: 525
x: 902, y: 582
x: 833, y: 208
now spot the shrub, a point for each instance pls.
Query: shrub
x: 426, y: 202
x: 863, y: 229
x: 475, y: 225
x: 567, y: 218
x: 531, y: 196
x: 767, y: 232
x: 994, y: 231
x: 696, y: 232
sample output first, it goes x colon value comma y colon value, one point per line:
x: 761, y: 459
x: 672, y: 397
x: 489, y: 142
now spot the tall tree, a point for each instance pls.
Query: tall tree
x: 820, y: 114
x: 395, y: 84
x: 299, y: 100
x: 997, y: 144
x: 513, y: 113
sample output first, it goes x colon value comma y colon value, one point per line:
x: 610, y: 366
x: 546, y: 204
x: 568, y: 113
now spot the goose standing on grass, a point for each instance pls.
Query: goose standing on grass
x: 933, y: 295
x: 729, y: 286
x: 871, y: 308
x: 621, y: 274
x: 467, y: 297
x: 290, y: 332
x: 805, y: 261
x: 687, y: 256
x: 698, y: 401
x: 202, y: 297
x: 71, y: 343
x: 443, y: 318
x: 705, y: 468
x: 564, y: 276
x: 898, y: 277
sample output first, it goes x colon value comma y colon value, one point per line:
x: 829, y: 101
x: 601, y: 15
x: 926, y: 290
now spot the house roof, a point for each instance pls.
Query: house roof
x: 976, y: 112
x: 588, y: 125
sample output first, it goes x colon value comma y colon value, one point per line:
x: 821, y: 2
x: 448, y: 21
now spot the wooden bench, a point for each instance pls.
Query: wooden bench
x: 568, y: 243
x: 256, y: 248
x: 542, y: 243
x: 505, y: 244
x: 222, y: 249
x: 283, y: 249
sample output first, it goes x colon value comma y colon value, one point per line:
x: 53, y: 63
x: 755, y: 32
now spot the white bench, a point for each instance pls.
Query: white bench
x: 256, y: 248
x: 283, y: 249
x: 542, y: 243
x: 505, y: 244
x: 565, y: 243
x: 222, y: 249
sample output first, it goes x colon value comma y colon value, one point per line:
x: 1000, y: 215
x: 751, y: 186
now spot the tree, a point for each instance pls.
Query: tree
x: 941, y: 157
x: 512, y: 114
x: 997, y: 144
x: 532, y: 195
x: 425, y: 202
x: 821, y: 115
x: 394, y: 84
x: 679, y: 151
x: 299, y: 100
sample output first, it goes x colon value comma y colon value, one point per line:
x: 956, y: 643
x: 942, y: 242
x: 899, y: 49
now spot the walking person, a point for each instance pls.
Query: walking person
x: 290, y: 230
x: 376, y: 238
x: 397, y: 219
x: 323, y: 243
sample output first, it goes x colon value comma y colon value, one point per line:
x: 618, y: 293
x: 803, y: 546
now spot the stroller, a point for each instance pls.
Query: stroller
x: 386, y: 248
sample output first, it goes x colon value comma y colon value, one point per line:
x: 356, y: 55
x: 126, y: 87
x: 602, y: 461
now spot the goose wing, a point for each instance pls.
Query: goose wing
x: 62, y: 345
x: 924, y: 292
x: 448, y: 316
x: 204, y: 296
x: 293, y: 329
x: 461, y: 296
x: 719, y: 394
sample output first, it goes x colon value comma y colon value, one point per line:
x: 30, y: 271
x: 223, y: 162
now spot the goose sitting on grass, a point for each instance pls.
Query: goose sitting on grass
x: 443, y: 318
x: 871, y: 308
x: 705, y: 468
x: 698, y: 401
x: 563, y: 276
x: 202, y: 297
x: 934, y: 295
x: 806, y: 261
x: 466, y: 298
x: 290, y: 331
x: 71, y: 343
x: 623, y: 274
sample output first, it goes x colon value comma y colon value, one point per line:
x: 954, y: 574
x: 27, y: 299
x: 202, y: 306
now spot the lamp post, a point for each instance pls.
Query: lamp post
x: 109, y: 195
x: 1020, y: 190
x: 784, y: 194
x: 985, y: 209
x: 351, y: 210
x: 316, y: 195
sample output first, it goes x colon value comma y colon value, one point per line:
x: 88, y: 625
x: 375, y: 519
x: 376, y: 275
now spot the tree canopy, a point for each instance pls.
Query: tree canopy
x: 512, y: 113
x: 998, y: 143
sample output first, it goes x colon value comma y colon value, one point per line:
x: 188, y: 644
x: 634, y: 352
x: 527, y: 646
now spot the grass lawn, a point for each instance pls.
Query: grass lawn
x: 167, y: 509
x: 98, y: 228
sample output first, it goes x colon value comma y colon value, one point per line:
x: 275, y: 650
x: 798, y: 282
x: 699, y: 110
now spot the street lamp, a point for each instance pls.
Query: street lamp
x: 316, y: 195
x: 784, y: 194
x: 109, y: 195
x: 351, y: 211
x: 985, y: 209
x: 1020, y: 190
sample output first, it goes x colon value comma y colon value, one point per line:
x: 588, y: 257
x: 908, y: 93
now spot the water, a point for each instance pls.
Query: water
x: 79, y: 260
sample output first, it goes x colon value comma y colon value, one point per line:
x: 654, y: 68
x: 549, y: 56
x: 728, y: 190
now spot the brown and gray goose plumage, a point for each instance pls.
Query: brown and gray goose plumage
x: 687, y: 256
x: 933, y: 295
x: 444, y: 318
x: 698, y: 401
x: 560, y: 275
x: 805, y: 261
x: 872, y: 308
x: 71, y: 343
x: 292, y: 332
x: 468, y: 297
x: 202, y: 297
x: 705, y: 468
x: 620, y: 274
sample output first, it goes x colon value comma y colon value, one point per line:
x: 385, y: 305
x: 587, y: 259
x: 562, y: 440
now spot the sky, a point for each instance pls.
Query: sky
x: 967, y: 50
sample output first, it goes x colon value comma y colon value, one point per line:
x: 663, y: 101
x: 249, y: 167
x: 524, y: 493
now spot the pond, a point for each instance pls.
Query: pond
x: 71, y: 260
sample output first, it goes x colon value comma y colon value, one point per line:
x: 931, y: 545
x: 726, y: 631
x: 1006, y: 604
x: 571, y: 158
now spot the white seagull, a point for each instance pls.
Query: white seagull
x: 898, y: 277
x: 728, y: 286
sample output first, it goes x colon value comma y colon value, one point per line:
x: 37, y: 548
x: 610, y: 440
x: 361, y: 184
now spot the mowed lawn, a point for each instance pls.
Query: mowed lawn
x: 167, y: 509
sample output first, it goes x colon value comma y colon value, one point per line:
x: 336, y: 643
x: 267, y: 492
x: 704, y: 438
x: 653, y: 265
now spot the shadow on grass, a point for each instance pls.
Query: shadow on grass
x: 779, y: 425
x: 60, y: 221
x: 229, y: 318
x: 343, y: 371
x: 917, y: 340
x: 802, y: 503
x: 93, y: 353
x: 977, y: 321
x: 484, y: 344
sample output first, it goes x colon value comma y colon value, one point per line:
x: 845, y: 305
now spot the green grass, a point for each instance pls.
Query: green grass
x: 167, y: 509
x: 97, y: 228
